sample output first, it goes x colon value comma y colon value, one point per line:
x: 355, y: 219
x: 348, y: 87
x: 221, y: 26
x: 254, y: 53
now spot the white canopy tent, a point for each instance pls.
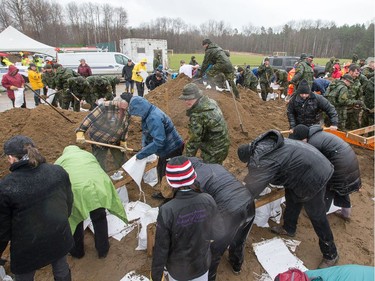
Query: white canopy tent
x: 13, y: 40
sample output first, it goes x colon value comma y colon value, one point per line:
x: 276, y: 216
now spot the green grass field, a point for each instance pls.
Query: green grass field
x: 238, y: 59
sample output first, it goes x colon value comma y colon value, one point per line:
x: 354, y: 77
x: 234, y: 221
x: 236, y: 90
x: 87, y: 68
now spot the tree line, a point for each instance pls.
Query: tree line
x: 87, y: 24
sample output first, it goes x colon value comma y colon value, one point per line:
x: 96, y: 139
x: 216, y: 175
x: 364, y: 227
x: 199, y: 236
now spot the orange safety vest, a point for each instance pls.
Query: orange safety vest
x: 290, y: 76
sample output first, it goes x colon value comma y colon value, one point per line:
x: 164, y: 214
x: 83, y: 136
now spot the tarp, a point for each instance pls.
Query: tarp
x: 13, y: 40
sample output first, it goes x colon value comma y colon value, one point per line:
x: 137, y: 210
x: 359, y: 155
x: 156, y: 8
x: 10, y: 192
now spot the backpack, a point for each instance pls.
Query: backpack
x: 292, y: 274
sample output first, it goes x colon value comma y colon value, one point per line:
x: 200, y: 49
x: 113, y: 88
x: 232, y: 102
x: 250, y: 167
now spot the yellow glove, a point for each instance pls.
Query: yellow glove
x: 123, y: 144
x: 80, y: 137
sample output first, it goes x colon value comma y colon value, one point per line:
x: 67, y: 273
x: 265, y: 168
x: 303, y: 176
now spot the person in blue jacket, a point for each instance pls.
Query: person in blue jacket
x: 159, y: 135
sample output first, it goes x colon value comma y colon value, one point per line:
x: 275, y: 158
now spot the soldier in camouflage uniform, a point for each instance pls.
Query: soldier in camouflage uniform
x: 303, y: 71
x: 61, y: 83
x: 355, y: 93
x: 282, y: 80
x: 368, y: 94
x: 338, y: 95
x: 217, y: 66
x: 368, y: 70
x: 329, y: 66
x: 113, y: 81
x: 81, y: 89
x: 48, y: 79
x: 247, y: 79
x: 100, y: 87
x: 208, y: 130
x: 265, y: 73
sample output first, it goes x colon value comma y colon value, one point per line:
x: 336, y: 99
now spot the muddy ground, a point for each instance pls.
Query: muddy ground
x: 51, y: 132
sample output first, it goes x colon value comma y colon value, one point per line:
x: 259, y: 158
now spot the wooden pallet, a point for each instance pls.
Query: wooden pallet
x: 358, y: 137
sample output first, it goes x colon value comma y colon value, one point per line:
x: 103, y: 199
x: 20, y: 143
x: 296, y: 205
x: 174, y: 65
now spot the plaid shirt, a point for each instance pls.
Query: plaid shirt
x: 106, y: 123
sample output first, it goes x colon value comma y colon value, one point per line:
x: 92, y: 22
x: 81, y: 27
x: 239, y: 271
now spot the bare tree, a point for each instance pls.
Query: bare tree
x: 17, y: 10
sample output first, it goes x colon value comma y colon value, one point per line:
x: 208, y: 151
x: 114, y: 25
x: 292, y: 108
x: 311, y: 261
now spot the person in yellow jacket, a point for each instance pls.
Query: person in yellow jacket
x: 6, y: 61
x: 35, y: 79
x: 25, y: 60
x: 137, y: 76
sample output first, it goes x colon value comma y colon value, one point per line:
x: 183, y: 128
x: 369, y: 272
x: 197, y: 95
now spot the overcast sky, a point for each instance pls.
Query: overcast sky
x: 271, y: 13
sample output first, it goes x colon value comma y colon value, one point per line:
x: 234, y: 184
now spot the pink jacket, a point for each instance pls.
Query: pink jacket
x: 12, y: 78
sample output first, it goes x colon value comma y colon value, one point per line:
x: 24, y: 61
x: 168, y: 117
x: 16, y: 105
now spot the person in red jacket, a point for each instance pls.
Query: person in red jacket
x: 12, y: 81
x: 84, y: 69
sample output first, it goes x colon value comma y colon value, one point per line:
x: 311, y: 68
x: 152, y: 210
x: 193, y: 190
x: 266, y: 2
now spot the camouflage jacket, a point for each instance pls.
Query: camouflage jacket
x: 215, y: 55
x: 79, y: 87
x: 281, y: 76
x: 338, y: 94
x: 62, y: 76
x: 303, y: 71
x: 113, y: 81
x: 265, y: 74
x: 100, y: 87
x: 329, y: 66
x: 250, y: 80
x: 368, y: 72
x: 368, y: 93
x: 207, y: 131
x: 48, y: 79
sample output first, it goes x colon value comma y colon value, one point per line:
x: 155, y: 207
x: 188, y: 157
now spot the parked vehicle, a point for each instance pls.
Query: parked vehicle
x: 101, y: 63
x: 287, y: 62
x: 22, y: 71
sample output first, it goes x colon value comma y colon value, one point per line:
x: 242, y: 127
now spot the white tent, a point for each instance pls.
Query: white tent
x: 13, y: 40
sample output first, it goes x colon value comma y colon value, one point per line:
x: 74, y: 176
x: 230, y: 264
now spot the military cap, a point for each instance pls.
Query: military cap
x: 311, y: 56
x: 348, y: 78
x: 206, y: 41
x: 240, y: 69
x: 303, y: 56
x: 266, y: 59
x: 190, y: 92
x: 48, y: 66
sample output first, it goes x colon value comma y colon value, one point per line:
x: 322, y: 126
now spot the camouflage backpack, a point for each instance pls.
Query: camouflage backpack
x: 333, y: 91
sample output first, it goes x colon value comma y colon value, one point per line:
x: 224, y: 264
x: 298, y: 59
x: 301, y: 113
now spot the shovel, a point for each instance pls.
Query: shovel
x: 122, y: 148
x: 238, y: 113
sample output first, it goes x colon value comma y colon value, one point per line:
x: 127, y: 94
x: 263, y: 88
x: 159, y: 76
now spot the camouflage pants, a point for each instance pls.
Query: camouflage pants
x: 66, y: 99
x: 342, y: 114
x: 284, y: 85
x: 352, y: 121
x: 367, y: 118
x: 216, y: 157
x: 265, y: 88
x: 218, y: 77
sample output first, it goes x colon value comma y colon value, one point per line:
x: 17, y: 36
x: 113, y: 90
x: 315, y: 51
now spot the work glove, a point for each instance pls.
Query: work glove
x: 123, y: 144
x: 80, y: 137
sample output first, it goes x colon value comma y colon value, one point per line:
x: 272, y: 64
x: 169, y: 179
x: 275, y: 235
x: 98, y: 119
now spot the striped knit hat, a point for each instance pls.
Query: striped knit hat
x: 180, y: 172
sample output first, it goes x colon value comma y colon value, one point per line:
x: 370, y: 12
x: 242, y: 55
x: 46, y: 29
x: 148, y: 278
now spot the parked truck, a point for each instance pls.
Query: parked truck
x: 287, y: 62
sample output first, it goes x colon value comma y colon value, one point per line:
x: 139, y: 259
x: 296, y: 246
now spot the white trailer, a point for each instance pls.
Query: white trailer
x: 137, y: 49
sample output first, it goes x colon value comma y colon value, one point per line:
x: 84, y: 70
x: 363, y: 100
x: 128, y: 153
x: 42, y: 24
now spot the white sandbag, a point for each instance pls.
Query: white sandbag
x: 18, y: 97
x: 151, y: 177
x: 123, y: 194
x: 132, y: 276
x: 149, y: 217
x: 271, y: 210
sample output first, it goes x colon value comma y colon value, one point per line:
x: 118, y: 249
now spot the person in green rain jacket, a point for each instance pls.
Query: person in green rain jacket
x: 93, y: 192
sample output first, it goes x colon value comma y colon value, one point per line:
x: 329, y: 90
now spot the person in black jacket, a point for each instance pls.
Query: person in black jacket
x: 154, y: 80
x: 127, y: 72
x: 346, y: 177
x: 304, y: 173
x: 237, y: 208
x: 186, y: 225
x: 35, y: 203
x: 306, y: 108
